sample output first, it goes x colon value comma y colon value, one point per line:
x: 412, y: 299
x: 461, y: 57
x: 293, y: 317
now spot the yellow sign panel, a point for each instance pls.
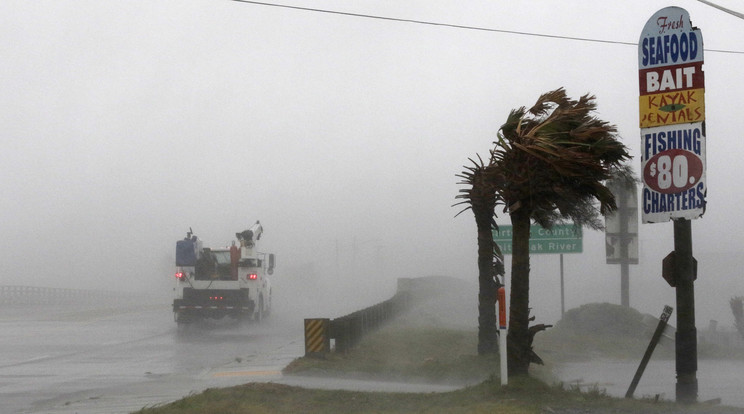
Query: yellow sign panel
x: 669, y: 108
x: 317, y: 338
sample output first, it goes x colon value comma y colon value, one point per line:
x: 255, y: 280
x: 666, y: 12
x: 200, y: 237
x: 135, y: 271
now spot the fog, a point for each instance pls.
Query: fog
x: 126, y: 123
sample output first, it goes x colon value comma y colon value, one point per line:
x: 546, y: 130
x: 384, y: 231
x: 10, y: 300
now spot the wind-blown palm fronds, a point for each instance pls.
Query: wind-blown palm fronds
x: 550, y: 164
x: 554, y: 157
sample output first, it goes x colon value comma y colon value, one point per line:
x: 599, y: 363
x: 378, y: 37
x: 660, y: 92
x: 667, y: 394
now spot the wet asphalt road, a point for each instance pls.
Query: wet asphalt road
x: 119, y: 359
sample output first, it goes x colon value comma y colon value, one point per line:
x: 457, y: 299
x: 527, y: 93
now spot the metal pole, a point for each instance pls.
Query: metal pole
x: 624, y: 259
x: 625, y: 282
x: 563, y: 300
x: 337, y: 258
x: 686, y: 337
x: 649, y: 350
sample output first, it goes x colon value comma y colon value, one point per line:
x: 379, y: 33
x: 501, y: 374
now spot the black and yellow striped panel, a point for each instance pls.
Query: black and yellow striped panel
x: 317, y: 338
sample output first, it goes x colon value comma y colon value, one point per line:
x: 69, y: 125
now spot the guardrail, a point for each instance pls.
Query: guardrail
x: 348, y: 330
x: 33, y: 295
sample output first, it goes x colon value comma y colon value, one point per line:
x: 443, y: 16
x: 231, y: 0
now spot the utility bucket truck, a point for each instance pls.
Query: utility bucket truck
x: 218, y: 282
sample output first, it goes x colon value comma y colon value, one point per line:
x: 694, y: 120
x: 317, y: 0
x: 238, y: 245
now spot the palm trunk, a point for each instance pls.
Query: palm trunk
x: 518, y: 339
x: 487, y: 330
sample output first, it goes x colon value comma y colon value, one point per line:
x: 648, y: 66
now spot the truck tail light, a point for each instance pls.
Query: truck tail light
x: 252, y: 276
x: 180, y: 275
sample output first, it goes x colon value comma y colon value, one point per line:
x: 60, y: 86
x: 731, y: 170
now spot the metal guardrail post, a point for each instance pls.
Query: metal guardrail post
x: 357, y: 328
x: 337, y: 333
x: 341, y: 333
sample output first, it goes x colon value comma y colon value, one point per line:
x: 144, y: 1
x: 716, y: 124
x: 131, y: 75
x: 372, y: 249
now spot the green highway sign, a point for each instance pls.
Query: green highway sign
x: 562, y: 238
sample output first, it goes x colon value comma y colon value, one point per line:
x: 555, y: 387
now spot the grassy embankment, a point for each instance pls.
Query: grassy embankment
x: 404, y: 351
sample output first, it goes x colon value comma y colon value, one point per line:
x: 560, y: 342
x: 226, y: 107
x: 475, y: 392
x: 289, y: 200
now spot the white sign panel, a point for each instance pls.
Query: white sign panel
x: 672, y: 117
x: 621, y: 227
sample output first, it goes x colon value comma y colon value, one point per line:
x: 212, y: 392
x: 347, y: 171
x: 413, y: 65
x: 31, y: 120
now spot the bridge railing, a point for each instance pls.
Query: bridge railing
x: 348, y: 330
x: 34, y: 295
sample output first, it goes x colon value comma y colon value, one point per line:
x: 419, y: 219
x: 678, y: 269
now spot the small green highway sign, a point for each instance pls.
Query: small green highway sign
x: 562, y: 238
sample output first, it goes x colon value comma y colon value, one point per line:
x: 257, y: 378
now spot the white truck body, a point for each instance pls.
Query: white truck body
x: 214, y: 283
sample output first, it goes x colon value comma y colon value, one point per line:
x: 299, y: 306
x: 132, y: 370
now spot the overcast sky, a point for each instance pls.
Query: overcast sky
x: 124, y: 123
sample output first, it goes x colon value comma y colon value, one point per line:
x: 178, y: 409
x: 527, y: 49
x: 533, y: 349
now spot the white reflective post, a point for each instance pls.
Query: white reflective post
x: 502, y: 334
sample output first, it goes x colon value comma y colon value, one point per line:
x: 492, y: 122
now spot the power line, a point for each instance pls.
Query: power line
x: 456, y: 26
x: 729, y: 11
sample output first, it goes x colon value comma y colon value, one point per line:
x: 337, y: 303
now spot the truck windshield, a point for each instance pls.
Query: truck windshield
x: 214, y: 265
x: 223, y: 258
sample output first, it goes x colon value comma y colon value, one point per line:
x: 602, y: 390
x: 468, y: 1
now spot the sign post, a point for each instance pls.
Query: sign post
x: 621, y: 234
x: 672, y: 121
x: 502, y: 336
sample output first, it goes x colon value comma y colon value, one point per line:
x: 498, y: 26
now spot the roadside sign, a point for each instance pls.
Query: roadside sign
x: 672, y: 116
x: 621, y: 227
x: 562, y: 238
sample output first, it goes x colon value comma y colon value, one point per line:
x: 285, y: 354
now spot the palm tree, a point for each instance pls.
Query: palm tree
x: 548, y: 166
x: 481, y: 197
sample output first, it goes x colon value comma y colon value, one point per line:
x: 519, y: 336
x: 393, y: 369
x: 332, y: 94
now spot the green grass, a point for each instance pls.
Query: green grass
x: 274, y: 398
x: 402, y: 351
x: 522, y: 396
